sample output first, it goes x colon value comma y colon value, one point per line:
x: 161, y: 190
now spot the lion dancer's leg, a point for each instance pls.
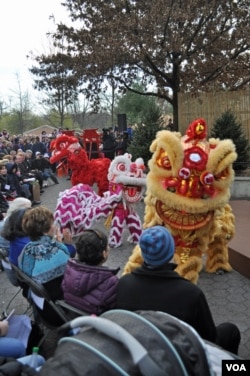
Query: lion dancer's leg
x: 217, y: 257
x: 135, y: 227
x: 188, y: 257
x: 223, y: 231
x: 117, y: 226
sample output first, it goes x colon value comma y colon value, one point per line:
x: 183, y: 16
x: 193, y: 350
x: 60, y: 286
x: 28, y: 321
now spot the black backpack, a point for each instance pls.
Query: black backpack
x: 121, y: 342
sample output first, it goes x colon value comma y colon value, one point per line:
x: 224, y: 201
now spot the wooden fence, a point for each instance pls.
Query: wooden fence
x: 210, y: 106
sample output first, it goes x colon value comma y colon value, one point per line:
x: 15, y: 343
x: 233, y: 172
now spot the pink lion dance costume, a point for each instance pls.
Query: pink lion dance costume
x: 129, y: 177
x: 79, y: 207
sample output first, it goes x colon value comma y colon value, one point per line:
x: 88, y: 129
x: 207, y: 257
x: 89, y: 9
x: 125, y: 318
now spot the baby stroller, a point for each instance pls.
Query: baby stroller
x: 145, y: 343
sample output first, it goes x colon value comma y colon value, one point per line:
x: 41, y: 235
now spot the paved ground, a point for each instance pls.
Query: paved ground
x: 228, y: 294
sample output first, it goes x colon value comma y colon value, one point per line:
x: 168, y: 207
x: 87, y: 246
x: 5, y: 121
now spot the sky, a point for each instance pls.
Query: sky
x: 23, y: 28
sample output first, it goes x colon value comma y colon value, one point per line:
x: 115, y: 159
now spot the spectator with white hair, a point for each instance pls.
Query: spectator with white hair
x: 17, y: 203
x: 14, y: 206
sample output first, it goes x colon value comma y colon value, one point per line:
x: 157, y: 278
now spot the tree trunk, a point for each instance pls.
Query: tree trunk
x: 176, y: 89
x: 175, y: 111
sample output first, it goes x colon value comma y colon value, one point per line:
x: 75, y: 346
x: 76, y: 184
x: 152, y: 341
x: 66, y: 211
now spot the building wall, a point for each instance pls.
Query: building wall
x: 38, y: 131
x: 240, y: 188
x: 210, y: 106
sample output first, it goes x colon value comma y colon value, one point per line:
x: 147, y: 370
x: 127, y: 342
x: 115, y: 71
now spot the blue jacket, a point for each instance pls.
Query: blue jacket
x: 16, y: 247
x: 89, y: 288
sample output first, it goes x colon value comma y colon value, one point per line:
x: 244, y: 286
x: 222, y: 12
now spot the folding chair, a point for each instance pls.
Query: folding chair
x: 71, y: 311
x: 9, y: 271
x: 44, y: 308
x: 40, y: 296
x: 7, y: 268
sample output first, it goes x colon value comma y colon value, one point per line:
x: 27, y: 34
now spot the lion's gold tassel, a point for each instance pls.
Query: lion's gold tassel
x: 108, y: 221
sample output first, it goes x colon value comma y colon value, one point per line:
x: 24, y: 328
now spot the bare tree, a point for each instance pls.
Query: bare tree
x: 3, y: 107
x: 171, y: 46
x: 78, y: 110
x: 53, y: 77
x: 21, y: 106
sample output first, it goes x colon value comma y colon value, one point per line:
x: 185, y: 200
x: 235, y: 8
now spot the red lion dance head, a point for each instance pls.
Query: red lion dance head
x: 68, y: 150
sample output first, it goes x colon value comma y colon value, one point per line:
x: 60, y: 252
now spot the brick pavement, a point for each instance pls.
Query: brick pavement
x: 228, y: 295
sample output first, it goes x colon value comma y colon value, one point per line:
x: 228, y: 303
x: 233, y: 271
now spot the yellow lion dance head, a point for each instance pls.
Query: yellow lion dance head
x: 188, y: 189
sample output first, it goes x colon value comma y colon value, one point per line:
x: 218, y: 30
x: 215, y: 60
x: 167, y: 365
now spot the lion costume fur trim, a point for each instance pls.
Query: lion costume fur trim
x: 209, y: 242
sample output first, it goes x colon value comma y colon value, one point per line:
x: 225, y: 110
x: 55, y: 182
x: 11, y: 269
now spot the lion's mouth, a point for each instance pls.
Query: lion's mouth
x: 132, y: 193
x: 180, y: 220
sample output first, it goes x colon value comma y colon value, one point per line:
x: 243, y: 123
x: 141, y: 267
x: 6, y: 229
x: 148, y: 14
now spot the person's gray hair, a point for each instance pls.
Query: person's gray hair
x: 18, y: 203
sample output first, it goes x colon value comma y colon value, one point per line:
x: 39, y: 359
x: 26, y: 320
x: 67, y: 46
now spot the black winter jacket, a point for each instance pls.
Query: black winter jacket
x: 165, y: 290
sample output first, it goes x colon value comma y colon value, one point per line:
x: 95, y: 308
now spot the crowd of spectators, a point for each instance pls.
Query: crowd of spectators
x: 13, y: 143
x: 24, y: 162
x: 114, y: 142
x: 25, y: 159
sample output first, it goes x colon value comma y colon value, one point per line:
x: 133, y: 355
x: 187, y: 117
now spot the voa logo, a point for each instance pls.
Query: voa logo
x: 232, y: 367
x: 236, y: 367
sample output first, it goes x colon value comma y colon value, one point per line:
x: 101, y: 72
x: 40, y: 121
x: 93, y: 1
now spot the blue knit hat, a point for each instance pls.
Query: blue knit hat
x: 157, y: 245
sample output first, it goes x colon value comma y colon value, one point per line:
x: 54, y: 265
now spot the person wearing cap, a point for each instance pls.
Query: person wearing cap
x: 157, y: 286
x: 42, y: 164
x: 37, y: 164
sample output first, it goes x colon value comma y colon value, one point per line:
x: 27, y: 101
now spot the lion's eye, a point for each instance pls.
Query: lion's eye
x: 163, y: 160
x: 121, y: 167
x: 195, y: 157
x: 184, y: 173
